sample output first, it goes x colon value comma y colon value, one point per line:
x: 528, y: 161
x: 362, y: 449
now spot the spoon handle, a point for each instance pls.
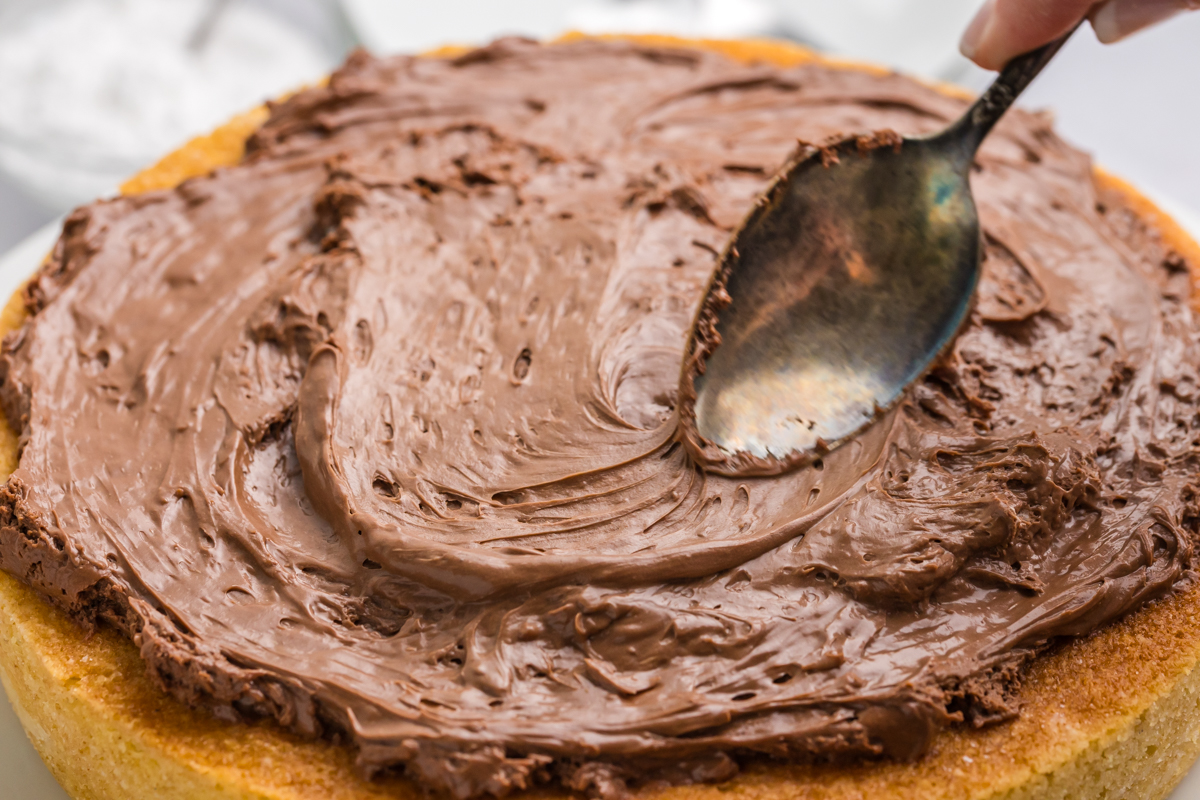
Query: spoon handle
x: 969, y: 131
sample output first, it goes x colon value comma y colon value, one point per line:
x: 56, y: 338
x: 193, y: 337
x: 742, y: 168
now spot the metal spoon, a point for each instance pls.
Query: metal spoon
x: 854, y: 271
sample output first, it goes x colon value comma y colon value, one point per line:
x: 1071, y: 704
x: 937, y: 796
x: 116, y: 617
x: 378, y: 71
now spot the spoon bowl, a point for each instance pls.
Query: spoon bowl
x: 827, y: 317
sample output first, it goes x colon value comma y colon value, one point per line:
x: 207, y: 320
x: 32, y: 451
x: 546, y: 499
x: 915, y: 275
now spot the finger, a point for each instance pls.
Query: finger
x: 1116, y: 19
x: 1004, y: 29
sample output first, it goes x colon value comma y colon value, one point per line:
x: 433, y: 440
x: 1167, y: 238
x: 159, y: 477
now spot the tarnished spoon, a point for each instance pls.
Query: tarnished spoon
x: 854, y: 271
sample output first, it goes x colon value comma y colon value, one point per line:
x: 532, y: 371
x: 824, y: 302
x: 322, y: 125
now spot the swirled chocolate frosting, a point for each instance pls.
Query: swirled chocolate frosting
x: 374, y: 433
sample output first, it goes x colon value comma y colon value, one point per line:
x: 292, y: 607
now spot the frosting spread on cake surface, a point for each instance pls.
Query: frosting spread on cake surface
x: 374, y: 433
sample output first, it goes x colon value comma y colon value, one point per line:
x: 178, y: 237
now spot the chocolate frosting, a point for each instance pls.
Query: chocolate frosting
x: 374, y: 433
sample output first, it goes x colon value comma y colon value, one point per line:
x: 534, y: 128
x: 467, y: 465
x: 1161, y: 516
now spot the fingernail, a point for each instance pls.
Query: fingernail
x: 1116, y: 19
x: 969, y: 44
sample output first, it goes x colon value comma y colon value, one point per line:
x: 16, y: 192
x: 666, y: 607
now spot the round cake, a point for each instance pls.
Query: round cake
x: 352, y: 468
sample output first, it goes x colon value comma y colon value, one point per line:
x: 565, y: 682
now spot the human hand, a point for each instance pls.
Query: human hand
x: 1004, y: 29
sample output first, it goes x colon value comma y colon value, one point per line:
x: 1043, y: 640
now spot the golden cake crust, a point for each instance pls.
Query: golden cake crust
x: 1112, y: 715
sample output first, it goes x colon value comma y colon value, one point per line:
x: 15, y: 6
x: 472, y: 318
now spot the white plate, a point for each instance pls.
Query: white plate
x: 21, y: 769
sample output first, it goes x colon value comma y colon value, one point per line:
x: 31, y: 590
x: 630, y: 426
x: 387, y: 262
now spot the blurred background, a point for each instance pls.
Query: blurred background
x: 93, y: 90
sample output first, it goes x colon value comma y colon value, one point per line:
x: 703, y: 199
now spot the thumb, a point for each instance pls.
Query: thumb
x: 1116, y: 19
x: 1004, y: 29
